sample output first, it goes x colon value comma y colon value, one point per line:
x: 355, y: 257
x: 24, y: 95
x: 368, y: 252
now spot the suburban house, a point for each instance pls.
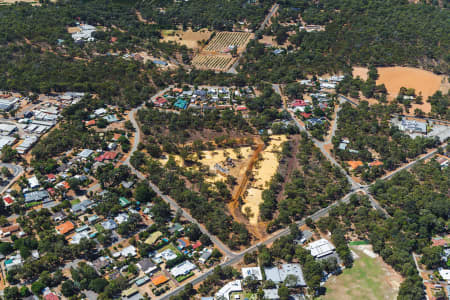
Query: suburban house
x: 146, y: 266
x: 205, y: 256
x: 65, y: 227
x: 183, y: 269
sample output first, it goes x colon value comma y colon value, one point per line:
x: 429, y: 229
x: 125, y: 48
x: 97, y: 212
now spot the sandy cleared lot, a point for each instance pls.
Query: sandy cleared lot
x: 188, y: 38
x: 361, y: 72
x: 263, y: 171
x: 424, y: 82
x: 210, y: 158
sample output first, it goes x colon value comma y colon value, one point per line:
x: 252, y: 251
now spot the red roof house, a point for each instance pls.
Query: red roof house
x: 63, y: 184
x: 51, y: 177
x: 51, y: 296
x: 196, y: 245
x: 439, y: 242
x: 51, y: 191
x: 241, y: 108
x: 298, y: 102
x: 160, y: 101
x: 109, y: 155
x: 90, y: 123
x: 305, y: 115
x: 8, y: 200
x: 183, y: 243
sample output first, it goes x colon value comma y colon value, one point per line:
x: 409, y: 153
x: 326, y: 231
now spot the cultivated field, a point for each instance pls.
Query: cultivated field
x: 263, y: 171
x: 223, y: 40
x: 213, y: 62
x: 189, y: 38
x: 369, y: 278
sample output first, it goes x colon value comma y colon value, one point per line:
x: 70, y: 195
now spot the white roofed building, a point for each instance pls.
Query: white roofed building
x: 183, y: 269
x: 227, y: 289
x: 320, y: 248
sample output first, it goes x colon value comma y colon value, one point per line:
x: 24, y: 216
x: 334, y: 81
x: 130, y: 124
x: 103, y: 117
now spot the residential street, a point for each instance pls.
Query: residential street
x: 233, y: 257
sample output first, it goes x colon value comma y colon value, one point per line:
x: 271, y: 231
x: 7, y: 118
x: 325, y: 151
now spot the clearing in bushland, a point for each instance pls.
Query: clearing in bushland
x: 369, y: 278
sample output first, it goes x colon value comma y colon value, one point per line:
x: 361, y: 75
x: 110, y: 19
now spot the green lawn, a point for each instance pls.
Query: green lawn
x: 99, y: 227
x: 75, y: 201
x: 182, y: 278
x: 172, y: 247
x: 356, y: 243
x: 368, y: 279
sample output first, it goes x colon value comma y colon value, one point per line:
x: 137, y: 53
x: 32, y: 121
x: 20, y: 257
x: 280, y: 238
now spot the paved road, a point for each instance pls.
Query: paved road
x: 232, y: 257
x: 321, y: 145
x: 174, y: 205
x: 408, y: 166
x: 16, y: 173
x: 316, y: 216
x: 273, y: 10
x: 269, y: 15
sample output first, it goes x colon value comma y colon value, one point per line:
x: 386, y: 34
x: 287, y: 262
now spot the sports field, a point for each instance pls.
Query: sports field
x: 369, y: 278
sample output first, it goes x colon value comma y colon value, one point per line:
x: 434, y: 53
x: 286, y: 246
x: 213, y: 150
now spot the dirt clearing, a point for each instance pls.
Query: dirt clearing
x: 361, y: 72
x: 263, y: 172
x: 190, y: 39
x: 424, y: 82
x: 239, y: 157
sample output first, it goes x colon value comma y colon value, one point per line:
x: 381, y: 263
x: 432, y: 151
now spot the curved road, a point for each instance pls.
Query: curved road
x: 233, y: 257
x: 16, y: 173
x: 174, y: 205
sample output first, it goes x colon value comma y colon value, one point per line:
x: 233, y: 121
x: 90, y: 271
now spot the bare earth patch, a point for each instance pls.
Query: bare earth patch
x: 188, y: 38
x: 424, y: 82
x: 263, y: 171
x: 361, y: 72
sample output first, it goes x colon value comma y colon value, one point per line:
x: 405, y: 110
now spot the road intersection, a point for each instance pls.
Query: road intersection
x: 232, y: 257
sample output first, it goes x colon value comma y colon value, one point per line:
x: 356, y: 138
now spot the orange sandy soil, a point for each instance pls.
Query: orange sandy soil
x: 328, y: 147
x: 270, y: 40
x: 188, y: 38
x: 424, y: 82
x: 328, y: 136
